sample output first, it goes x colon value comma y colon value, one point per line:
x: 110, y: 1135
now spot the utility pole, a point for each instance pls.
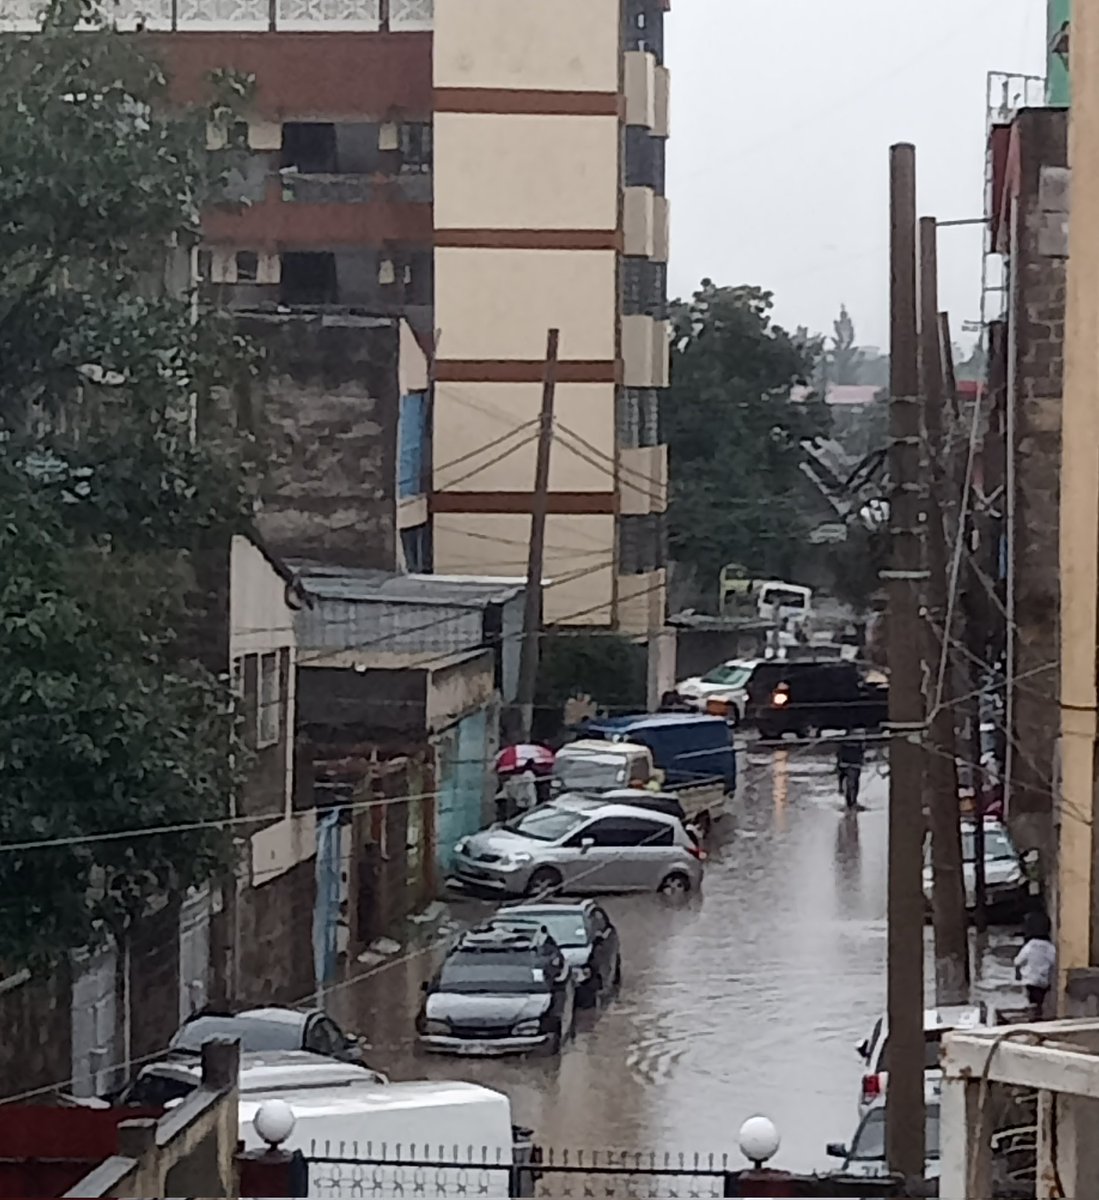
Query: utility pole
x: 969, y: 664
x: 532, y: 608
x: 904, y: 1114
x: 948, y: 895
x: 1077, y: 925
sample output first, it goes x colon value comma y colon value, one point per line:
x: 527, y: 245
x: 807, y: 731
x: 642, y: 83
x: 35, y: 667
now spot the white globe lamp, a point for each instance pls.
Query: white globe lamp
x: 274, y: 1122
x: 759, y: 1140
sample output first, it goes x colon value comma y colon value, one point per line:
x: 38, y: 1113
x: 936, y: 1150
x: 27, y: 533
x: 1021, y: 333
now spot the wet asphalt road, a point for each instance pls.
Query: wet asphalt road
x: 746, y: 999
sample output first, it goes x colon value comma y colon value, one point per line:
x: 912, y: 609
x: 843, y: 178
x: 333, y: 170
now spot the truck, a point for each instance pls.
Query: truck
x: 693, y: 754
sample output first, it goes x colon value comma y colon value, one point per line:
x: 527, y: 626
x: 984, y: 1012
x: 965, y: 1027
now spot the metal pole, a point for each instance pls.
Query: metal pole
x: 532, y: 608
x: 948, y: 895
x: 905, y: 577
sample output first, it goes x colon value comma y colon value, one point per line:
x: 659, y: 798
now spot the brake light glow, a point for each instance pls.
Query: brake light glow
x: 780, y: 698
x: 871, y: 1087
x: 697, y: 852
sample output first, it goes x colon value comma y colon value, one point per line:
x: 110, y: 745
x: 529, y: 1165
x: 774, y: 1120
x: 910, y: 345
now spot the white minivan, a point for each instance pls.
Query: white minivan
x: 382, y: 1140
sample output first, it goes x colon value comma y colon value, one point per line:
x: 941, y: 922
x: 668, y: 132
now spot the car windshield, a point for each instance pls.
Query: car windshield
x: 566, y: 928
x: 998, y: 847
x: 492, y: 973
x: 932, y: 1044
x: 547, y: 823
x: 869, y: 1145
x: 584, y: 772
x: 253, y: 1034
x: 728, y: 676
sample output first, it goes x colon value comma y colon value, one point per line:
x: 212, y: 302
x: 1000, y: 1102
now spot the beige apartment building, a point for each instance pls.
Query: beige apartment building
x: 550, y: 121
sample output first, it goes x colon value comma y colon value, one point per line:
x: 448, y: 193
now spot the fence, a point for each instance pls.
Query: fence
x: 447, y: 1171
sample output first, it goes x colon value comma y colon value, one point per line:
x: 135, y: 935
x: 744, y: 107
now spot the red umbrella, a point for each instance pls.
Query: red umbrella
x: 516, y: 758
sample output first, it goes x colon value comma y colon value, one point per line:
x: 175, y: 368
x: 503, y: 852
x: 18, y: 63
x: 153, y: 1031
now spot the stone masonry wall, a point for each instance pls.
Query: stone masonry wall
x: 1036, y: 344
x: 330, y: 406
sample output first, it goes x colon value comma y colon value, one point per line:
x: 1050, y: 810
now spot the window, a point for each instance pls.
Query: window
x: 238, y: 135
x: 626, y: 831
x: 323, y: 1037
x: 203, y: 265
x: 416, y: 147
x: 310, y: 146
x: 500, y: 973
x: 547, y: 823
x: 267, y: 718
x: 247, y: 266
x: 309, y: 278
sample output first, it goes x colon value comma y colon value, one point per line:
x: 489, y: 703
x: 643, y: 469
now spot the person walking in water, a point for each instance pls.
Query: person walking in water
x: 1034, y: 962
x: 850, y: 755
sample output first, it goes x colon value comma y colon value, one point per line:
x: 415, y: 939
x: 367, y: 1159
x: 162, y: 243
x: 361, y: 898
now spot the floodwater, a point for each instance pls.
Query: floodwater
x: 746, y: 999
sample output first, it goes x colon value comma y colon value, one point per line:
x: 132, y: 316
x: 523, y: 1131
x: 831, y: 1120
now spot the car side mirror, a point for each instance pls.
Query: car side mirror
x: 836, y: 1150
x: 587, y: 843
x: 863, y: 1049
x: 1030, y: 858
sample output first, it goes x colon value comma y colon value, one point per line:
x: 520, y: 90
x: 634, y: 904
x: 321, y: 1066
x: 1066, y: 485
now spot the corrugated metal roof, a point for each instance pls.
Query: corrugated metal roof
x: 360, y: 584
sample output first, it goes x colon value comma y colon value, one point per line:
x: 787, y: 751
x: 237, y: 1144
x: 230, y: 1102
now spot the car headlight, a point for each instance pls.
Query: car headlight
x: 462, y: 846
x: 528, y: 1029
x: 518, y: 860
x: 435, y: 1028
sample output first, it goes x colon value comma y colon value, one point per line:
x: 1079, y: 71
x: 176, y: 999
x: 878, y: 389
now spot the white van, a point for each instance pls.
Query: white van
x: 382, y: 1140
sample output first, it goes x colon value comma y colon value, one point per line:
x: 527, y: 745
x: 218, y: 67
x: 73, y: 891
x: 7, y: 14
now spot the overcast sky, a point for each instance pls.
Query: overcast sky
x: 782, y: 115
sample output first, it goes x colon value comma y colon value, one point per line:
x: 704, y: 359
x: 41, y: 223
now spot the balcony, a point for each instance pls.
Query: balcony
x: 642, y: 481
x: 641, y: 602
x: 638, y: 221
x: 640, y: 72
x: 241, y: 16
x: 644, y: 352
x: 662, y: 114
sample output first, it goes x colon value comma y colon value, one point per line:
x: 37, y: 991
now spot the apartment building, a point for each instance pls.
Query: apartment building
x: 486, y: 169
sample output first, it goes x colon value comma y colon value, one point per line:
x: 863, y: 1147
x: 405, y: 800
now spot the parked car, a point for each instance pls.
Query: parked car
x: 722, y: 692
x: 500, y: 990
x: 580, y: 844
x: 694, y: 754
x: 177, y: 1074
x: 586, y: 936
x: 805, y: 695
x: 1007, y: 885
x: 270, y: 1029
x: 936, y: 1021
x: 865, y: 1157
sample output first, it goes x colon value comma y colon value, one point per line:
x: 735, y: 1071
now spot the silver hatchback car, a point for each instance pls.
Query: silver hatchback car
x: 579, y: 844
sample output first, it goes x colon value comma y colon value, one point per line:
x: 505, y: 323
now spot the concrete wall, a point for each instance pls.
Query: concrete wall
x: 1036, y: 337
x: 331, y: 404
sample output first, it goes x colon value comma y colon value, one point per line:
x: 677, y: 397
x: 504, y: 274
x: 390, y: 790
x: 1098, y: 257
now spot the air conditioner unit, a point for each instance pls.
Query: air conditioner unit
x: 386, y: 271
x: 389, y: 136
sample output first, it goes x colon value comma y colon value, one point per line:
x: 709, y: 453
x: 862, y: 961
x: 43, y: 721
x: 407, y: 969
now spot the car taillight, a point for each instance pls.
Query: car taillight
x: 871, y: 1087
x: 697, y: 851
x: 780, y: 698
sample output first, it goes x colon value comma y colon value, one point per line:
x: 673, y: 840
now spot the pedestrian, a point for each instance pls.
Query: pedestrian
x: 1034, y: 962
x: 850, y: 755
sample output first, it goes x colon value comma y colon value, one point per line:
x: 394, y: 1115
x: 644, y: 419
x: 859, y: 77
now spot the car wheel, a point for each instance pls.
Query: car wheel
x: 675, y: 884
x: 544, y: 881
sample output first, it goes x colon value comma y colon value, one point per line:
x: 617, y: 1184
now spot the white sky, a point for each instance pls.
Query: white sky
x: 782, y: 115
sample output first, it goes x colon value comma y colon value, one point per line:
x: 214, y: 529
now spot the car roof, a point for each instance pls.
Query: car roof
x: 654, y: 721
x: 420, y: 1094
x: 632, y: 795
x: 540, y: 907
x: 599, y: 746
x: 270, y: 1069
x: 283, y: 1016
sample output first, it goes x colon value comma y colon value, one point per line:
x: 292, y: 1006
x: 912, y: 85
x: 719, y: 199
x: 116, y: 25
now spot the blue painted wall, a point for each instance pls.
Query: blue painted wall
x: 411, y: 445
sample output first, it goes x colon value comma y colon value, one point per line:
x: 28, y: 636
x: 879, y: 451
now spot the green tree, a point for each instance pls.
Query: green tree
x: 119, y: 461
x: 735, y: 430
x: 844, y: 358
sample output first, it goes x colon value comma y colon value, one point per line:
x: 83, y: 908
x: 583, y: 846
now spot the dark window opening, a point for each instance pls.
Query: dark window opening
x: 247, y: 266
x: 310, y: 147
x: 238, y: 135
x: 309, y: 278
x: 416, y: 147
x: 642, y: 544
x: 205, y: 265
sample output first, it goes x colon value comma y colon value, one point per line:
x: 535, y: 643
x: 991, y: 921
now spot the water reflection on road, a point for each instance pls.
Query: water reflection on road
x: 749, y: 998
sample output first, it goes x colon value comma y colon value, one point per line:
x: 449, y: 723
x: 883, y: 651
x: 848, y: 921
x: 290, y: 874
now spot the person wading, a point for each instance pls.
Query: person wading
x: 850, y: 755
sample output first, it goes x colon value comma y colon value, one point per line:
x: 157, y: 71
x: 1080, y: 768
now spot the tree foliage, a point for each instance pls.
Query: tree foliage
x: 118, y: 459
x: 735, y: 430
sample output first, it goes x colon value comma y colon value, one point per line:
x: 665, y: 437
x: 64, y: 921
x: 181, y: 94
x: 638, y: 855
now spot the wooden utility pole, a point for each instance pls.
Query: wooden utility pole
x: 1077, y: 926
x: 904, y: 1118
x: 968, y: 668
x: 948, y: 896
x: 532, y: 608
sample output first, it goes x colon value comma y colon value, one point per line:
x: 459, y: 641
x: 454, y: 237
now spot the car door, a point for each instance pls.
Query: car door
x: 589, y: 852
x: 637, y: 845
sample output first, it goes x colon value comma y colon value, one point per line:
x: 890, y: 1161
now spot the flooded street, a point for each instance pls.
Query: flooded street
x: 749, y: 998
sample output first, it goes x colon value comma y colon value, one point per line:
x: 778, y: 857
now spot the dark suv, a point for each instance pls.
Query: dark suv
x: 499, y: 991
x: 803, y: 696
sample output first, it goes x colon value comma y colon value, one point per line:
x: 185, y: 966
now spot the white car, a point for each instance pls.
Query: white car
x: 1006, y: 883
x: 722, y: 691
x: 936, y: 1022
x: 865, y: 1157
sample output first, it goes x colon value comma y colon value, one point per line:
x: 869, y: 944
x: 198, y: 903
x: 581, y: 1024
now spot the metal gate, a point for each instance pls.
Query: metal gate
x: 96, y: 1049
x: 194, y: 951
x: 463, y: 766
x: 326, y: 905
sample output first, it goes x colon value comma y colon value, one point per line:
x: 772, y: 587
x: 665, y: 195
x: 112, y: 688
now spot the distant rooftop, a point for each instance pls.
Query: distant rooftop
x: 330, y: 582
